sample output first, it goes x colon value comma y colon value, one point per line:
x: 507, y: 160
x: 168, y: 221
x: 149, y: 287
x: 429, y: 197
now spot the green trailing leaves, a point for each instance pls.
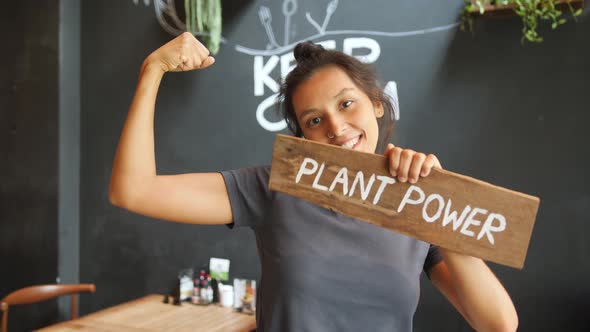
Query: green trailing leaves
x: 532, y: 13
x: 203, y: 17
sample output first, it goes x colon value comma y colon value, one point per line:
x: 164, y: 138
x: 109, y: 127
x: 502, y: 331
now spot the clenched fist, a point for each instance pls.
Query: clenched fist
x: 182, y: 53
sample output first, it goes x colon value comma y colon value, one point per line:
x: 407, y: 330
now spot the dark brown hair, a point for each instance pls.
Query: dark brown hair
x: 311, y: 57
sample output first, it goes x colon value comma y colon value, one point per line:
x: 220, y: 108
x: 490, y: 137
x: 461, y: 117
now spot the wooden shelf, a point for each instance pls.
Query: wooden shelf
x: 508, y: 10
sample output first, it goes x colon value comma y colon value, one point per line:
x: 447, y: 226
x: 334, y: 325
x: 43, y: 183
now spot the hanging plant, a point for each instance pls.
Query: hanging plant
x: 203, y: 17
x: 531, y: 12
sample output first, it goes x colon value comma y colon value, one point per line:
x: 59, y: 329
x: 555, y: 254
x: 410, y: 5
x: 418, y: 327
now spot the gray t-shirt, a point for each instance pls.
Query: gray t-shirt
x: 323, y: 271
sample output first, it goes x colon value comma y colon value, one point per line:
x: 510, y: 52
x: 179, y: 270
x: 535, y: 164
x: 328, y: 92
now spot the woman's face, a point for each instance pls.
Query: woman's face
x: 331, y: 109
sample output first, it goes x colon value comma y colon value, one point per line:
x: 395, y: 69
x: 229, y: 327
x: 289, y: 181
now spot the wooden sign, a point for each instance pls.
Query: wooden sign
x: 450, y: 210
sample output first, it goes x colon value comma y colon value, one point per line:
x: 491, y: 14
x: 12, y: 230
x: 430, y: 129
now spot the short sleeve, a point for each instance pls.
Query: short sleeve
x: 432, y: 258
x: 249, y: 195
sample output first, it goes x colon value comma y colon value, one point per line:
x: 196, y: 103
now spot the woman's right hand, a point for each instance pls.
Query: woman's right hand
x: 183, y: 53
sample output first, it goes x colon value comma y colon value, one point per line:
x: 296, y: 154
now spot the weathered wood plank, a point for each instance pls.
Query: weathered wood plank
x: 453, y: 211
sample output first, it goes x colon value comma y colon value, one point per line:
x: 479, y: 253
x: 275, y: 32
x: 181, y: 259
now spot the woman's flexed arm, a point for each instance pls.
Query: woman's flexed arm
x: 134, y: 185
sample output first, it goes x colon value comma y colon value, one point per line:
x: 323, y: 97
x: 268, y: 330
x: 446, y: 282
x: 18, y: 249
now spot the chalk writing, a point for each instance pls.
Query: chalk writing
x: 365, y: 48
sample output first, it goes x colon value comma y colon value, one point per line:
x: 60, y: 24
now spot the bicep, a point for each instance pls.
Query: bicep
x: 196, y: 198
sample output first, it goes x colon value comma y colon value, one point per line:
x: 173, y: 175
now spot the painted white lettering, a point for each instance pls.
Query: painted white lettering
x: 261, y: 74
x: 350, y: 44
x: 407, y: 200
x: 441, y: 204
x: 304, y: 170
x: 452, y: 217
x: 342, y: 178
x: 287, y: 64
x: 487, y: 227
x: 472, y: 221
x: 385, y: 180
x: 315, y: 183
x: 359, y: 179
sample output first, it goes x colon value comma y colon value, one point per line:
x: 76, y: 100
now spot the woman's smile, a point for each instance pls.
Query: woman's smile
x: 350, y: 142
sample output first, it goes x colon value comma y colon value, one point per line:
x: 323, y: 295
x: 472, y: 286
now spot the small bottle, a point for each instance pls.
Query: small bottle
x: 202, y: 277
x: 215, y: 286
x: 203, y: 291
x: 196, y: 299
x: 209, y: 290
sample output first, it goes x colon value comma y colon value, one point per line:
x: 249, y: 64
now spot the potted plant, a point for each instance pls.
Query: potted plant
x: 531, y: 12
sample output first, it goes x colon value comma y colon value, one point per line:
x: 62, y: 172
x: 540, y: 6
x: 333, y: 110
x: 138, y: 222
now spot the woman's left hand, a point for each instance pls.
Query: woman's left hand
x: 409, y: 165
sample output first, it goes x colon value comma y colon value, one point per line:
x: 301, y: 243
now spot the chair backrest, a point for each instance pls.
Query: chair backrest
x: 34, y: 294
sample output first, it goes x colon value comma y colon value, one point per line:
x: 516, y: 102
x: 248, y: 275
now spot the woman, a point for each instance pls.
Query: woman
x: 321, y: 271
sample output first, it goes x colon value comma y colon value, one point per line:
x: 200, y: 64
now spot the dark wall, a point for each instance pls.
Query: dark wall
x: 487, y: 106
x: 517, y: 116
x: 28, y: 154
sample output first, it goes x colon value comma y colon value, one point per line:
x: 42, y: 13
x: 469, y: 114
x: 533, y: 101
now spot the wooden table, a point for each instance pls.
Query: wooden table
x: 150, y: 314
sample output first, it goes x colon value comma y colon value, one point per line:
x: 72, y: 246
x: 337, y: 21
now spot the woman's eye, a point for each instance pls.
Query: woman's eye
x: 314, y: 121
x: 346, y: 103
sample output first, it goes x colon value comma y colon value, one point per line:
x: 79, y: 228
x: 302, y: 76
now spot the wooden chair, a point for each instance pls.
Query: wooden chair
x: 34, y: 294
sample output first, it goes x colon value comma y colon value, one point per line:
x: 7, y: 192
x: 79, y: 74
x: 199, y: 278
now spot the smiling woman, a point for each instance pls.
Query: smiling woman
x: 333, y: 110
x: 334, y: 98
x: 312, y: 258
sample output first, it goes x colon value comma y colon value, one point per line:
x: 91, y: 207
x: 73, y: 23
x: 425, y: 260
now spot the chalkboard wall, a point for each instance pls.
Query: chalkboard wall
x: 28, y: 155
x: 510, y: 114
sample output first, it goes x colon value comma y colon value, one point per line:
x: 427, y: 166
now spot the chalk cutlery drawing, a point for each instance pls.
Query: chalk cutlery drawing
x: 167, y: 16
x: 266, y: 18
x: 329, y: 11
x: 289, y: 8
x: 168, y: 9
